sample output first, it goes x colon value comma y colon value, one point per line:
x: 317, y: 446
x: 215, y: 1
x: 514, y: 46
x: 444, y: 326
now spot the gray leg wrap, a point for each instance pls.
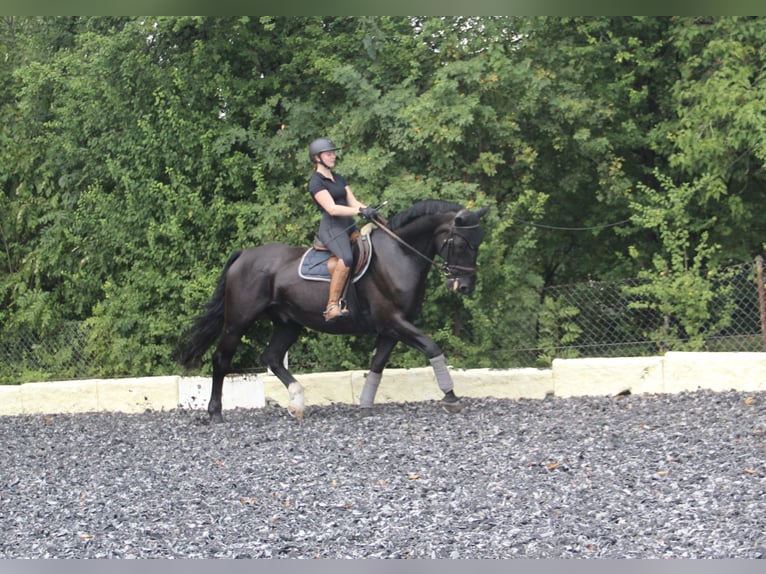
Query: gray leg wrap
x: 443, y: 378
x: 369, y: 389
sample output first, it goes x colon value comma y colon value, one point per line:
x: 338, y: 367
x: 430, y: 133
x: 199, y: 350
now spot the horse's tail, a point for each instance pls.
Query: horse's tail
x: 207, y: 326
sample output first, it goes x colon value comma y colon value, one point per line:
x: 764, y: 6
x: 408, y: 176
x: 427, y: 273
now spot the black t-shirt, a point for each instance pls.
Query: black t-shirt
x: 337, y: 188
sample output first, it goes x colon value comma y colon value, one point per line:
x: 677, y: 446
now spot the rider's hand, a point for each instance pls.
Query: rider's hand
x: 369, y: 212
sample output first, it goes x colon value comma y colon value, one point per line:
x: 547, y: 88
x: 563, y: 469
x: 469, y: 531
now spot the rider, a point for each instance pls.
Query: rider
x: 338, y: 206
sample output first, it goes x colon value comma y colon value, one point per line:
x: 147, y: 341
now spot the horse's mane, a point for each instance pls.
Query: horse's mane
x: 420, y: 209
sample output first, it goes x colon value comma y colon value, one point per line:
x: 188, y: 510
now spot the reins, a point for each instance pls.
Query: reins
x: 446, y: 268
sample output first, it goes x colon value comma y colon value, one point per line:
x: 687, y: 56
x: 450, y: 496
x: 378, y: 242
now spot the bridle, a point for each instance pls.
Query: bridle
x: 450, y: 270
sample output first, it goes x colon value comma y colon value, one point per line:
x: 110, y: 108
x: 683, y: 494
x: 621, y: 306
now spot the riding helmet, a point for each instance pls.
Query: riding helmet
x: 319, y: 145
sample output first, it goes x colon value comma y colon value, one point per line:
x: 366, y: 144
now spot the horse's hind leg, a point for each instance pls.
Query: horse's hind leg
x: 383, y: 348
x: 283, y: 337
x: 222, y: 357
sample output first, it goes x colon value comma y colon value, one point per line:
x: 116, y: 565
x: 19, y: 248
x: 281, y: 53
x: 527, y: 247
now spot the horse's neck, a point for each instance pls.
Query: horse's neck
x: 421, y: 233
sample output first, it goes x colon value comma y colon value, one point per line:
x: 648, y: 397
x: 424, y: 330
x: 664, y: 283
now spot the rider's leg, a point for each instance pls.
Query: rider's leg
x: 340, y: 275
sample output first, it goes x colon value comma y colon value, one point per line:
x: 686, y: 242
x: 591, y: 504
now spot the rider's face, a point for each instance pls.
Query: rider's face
x: 328, y: 157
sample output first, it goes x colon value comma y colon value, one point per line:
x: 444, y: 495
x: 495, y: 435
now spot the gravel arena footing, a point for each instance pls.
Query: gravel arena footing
x: 642, y: 476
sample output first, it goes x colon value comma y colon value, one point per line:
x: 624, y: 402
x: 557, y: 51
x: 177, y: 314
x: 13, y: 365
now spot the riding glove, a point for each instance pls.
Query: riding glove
x: 369, y: 212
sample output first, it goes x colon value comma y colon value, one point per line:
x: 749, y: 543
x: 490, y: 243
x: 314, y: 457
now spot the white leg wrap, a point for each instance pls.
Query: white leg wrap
x: 443, y: 378
x: 369, y: 389
x: 296, y: 405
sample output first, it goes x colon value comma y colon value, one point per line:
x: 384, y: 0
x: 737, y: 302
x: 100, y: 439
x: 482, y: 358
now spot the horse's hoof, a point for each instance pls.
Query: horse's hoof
x: 365, y: 412
x: 296, y: 405
x: 295, y: 412
x: 216, y: 419
x: 452, y: 406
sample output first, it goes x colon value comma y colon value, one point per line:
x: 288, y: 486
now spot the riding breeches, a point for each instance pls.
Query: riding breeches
x: 334, y: 232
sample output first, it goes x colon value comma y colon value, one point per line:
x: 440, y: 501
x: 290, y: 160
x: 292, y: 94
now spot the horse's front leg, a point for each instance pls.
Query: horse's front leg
x: 411, y: 335
x: 444, y: 380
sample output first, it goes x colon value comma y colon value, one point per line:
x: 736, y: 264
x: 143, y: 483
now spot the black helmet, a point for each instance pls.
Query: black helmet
x: 319, y: 145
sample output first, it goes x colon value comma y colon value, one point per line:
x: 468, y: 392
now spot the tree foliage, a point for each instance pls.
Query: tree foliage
x: 678, y: 283
x: 137, y: 153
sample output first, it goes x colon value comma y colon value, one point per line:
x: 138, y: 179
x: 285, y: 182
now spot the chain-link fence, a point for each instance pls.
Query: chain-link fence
x: 618, y: 318
x: 28, y: 356
x: 593, y: 319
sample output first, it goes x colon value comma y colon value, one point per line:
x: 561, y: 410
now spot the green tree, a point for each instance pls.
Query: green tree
x: 137, y: 153
x: 720, y: 128
x: 680, y: 286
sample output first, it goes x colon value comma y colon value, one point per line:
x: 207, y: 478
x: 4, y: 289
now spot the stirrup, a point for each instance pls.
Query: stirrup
x: 341, y: 313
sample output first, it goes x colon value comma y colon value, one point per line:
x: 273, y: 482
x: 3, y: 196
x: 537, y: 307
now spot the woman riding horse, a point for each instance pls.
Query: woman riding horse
x: 264, y: 282
x: 338, y: 205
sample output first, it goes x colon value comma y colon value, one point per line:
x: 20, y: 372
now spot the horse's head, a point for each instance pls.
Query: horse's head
x: 459, y: 247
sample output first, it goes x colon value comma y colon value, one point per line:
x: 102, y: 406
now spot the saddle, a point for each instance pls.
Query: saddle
x: 318, y: 262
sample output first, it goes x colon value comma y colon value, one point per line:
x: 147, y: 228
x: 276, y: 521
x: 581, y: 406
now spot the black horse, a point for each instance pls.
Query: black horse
x: 264, y: 281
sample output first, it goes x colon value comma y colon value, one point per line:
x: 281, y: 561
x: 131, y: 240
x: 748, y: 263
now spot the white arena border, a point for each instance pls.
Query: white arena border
x: 672, y: 373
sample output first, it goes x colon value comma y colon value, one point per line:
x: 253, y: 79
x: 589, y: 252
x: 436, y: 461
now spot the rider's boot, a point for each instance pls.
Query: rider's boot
x: 337, y: 284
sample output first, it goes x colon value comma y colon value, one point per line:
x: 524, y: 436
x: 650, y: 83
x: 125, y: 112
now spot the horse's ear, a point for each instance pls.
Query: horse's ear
x: 467, y: 217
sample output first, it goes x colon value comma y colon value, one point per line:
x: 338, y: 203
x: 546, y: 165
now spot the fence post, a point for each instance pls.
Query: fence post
x: 761, y: 299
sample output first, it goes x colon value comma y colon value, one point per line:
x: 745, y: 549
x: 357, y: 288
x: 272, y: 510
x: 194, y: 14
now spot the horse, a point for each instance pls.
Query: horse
x: 264, y: 282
